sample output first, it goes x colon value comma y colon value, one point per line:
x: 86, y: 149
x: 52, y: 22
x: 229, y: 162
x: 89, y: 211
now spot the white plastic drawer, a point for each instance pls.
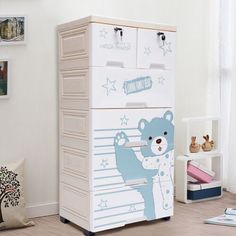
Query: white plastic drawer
x: 153, y: 52
x: 106, y: 123
x: 124, y: 88
x: 120, y: 206
x: 112, y: 48
x: 116, y: 207
x: 129, y: 179
x: 115, y: 131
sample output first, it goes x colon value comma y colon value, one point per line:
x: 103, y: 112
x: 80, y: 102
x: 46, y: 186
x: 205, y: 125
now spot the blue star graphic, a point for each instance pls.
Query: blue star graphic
x: 103, y: 204
x: 109, y: 86
x: 166, y: 47
x: 103, y: 33
x: 161, y: 80
x: 147, y: 51
x: 124, y: 120
x: 132, y: 208
x: 104, y: 163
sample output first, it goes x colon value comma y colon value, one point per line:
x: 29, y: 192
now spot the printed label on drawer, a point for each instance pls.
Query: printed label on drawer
x: 116, y: 164
x: 137, y: 85
x: 113, y: 46
x: 122, y: 88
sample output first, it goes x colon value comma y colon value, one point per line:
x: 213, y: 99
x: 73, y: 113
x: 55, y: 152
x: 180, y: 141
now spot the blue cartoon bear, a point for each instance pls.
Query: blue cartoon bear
x: 152, y: 159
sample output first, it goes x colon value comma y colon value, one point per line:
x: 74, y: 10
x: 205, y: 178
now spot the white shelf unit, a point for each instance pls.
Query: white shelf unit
x: 182, y: 177
x: 198, y: 126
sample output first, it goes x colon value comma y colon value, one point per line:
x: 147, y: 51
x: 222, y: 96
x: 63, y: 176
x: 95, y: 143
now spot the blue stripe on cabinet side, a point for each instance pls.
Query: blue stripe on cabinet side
x: 114, y: 223
x: 98, y: 146
x: 120, y: 214
x: 97, y: 130
x: 103, y: 153
x: 104, y: 209
x: 120, y: 191
x: 106, y: 153
x: 105, y: 185
x: 105, y: 169
x: 105, y: 177
x: 112, y: 137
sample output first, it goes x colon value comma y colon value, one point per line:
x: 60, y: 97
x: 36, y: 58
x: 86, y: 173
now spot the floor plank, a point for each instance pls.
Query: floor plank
x: 187, y: 220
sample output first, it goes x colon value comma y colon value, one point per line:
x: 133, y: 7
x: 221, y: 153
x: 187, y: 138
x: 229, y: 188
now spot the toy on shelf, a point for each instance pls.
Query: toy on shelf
x: 194, y: 147
x: 207, y: 145
x: 197, y: 127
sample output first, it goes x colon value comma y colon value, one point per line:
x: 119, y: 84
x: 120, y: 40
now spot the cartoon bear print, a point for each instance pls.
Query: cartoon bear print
x: 152, y: 162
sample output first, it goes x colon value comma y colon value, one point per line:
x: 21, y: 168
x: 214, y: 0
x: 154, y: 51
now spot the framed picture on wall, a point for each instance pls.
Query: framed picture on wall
x: 12, y: 30
x: 4, y: 78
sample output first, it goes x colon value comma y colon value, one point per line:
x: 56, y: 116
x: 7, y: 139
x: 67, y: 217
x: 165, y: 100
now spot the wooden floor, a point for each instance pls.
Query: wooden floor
x: 187, y: 220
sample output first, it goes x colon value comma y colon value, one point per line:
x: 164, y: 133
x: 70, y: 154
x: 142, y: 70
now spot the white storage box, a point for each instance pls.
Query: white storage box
x: 197, y: 191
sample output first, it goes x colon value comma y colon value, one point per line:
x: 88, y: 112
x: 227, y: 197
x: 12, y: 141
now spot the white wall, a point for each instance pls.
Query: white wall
x: 28, y: 120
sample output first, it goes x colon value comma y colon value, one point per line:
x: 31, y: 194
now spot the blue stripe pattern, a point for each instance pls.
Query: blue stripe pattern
x: 105, y: 169
x: 107, y: 153
x: 103, y: 153
x: 99, y: 146
x: 120, y: 191
x: 112, y: 188
x: 103, y: 185
x: 112, y: 137
x: 97, y: 130
x: 120, y: 214
x: 105, y: 177
x: 105, y: 209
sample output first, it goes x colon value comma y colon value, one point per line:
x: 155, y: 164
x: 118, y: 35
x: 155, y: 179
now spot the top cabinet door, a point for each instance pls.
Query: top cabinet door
x: 153, y: 52
x: 113, y: 45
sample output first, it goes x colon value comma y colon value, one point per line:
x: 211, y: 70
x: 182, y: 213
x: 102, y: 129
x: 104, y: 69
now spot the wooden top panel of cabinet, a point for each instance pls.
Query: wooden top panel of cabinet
x: 120, y: 22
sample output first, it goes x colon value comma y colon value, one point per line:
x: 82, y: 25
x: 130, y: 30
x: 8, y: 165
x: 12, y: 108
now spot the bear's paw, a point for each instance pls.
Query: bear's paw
x: 120, y: 139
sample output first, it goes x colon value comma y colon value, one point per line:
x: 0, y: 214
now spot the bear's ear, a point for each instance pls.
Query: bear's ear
x: 141, y: 125
x: 168, y: 115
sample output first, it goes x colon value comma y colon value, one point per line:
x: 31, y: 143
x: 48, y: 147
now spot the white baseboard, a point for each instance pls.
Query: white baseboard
x: 42, y: 209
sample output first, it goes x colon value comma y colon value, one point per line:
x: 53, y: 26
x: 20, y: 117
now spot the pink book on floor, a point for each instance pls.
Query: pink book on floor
x: 199, y: 172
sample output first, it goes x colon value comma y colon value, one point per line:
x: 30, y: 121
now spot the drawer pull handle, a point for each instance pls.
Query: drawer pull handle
x: 157, y: 66
x: 135, y: 144
x: 132, y: 182
x: 115, y: 64
x: 136, y: 105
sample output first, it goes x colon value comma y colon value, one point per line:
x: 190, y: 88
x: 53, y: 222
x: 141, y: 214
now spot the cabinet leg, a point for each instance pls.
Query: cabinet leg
x: 166, y: 218
x: 63, y: 220
x: 88, y: 233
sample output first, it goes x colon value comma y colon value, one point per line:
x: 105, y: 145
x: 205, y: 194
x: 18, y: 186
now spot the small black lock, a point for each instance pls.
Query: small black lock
x: 162, y: 35
x: 120, y: 30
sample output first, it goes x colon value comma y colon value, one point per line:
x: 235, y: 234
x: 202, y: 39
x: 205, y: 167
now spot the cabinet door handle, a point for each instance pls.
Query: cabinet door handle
x: 115, y: 64
x: 132, y: 182
x: 136, y: 104
x: 141, y: 143
x: 157, y: 66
